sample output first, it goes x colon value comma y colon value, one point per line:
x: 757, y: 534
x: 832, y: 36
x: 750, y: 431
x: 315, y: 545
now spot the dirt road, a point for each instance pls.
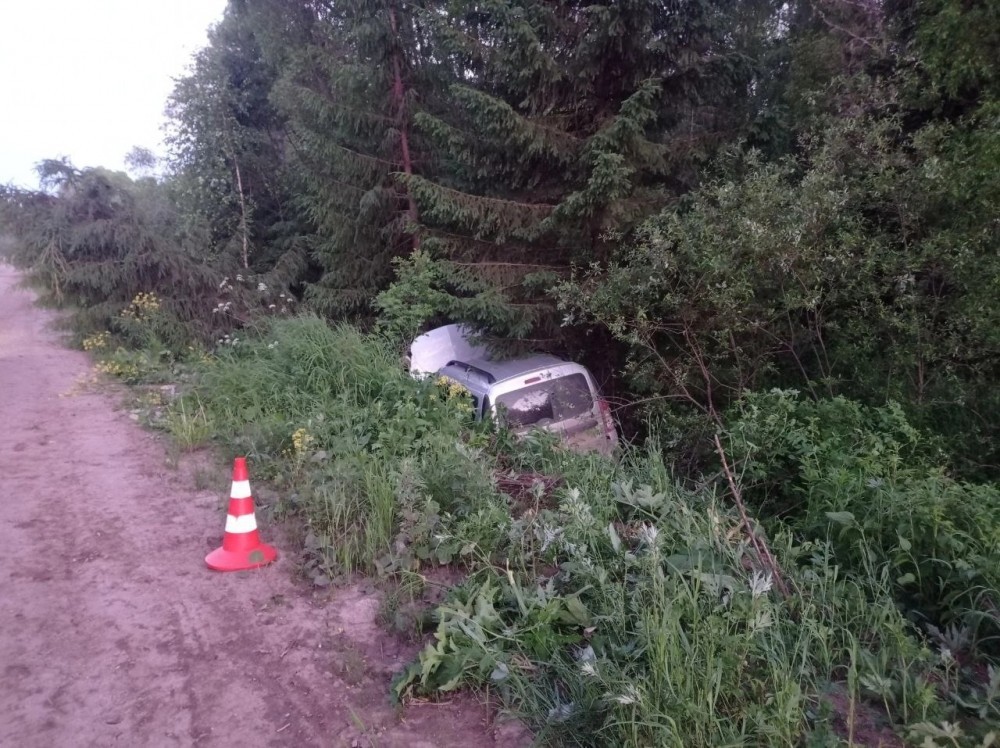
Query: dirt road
x: 113, y: 632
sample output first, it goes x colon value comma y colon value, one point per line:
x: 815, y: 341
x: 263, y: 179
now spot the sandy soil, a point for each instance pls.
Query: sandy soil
x: 113, y: 632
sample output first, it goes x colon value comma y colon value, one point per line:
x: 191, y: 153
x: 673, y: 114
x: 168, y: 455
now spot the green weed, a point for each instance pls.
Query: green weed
x: 188, y: 424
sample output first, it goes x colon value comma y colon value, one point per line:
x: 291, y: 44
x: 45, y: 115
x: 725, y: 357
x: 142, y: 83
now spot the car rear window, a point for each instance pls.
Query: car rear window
x: 554, y: 400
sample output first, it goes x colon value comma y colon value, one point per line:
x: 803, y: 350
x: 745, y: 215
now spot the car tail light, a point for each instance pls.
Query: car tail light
x: 609, y: 424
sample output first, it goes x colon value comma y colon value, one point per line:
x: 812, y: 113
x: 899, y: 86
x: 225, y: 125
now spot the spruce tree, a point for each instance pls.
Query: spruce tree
x: 227, y: 148
x: 93, y: 239
x: 348, y: 91
x: 565, y: 125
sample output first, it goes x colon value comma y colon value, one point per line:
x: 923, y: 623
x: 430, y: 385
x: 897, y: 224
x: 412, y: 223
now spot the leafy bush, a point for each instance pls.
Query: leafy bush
x: 861, y: 478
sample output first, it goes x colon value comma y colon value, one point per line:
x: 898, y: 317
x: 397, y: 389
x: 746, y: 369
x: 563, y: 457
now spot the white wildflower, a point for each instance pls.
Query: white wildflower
x: 239, y: 277
x: 760, y: 583
x: 272, y: 306
x: 261, y: 286
x: 648, y: 534
x: 632, y: 695
x: 549, y: 535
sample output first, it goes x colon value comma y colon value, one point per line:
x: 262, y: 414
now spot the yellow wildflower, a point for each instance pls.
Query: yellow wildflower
x: 455, y: 393
x: 301, y: 440
x: 143, y: 306
x: 96, y: 342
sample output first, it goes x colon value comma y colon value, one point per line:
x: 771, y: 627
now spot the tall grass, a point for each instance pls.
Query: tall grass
x: 333, y: 415
x: 188, y: 424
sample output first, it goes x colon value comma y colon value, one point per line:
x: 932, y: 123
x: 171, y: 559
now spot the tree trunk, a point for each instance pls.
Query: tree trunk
x: 402, y: 121
x: 244, y: 227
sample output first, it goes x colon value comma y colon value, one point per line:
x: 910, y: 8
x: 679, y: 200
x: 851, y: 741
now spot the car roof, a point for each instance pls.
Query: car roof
x: 479, y: 373
x: 506, y: 369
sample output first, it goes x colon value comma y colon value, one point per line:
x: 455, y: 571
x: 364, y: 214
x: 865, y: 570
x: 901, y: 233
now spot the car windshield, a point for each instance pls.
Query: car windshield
x: 551, y: 401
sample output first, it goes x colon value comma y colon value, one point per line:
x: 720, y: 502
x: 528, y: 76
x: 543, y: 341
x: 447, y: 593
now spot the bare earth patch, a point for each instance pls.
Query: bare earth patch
x: 113, y: 632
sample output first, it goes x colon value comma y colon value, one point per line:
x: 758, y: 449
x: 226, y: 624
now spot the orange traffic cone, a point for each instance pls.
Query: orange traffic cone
x: 241, y: 546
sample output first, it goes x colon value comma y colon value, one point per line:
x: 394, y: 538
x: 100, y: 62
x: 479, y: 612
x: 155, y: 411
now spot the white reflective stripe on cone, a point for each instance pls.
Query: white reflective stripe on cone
x: 241, y: 490
x: 244, y: 523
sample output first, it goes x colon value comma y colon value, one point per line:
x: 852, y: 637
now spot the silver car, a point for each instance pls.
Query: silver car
x: 537, y: 391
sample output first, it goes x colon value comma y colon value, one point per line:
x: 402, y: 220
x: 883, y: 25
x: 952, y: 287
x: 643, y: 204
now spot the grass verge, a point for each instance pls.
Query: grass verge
x: 610, y: 603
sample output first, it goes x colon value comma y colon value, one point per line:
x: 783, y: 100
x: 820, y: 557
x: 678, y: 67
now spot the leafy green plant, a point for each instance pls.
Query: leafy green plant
x: 610, y: 602
x: 133, y: 366
x: 647, y: 628
x: 860, y: 477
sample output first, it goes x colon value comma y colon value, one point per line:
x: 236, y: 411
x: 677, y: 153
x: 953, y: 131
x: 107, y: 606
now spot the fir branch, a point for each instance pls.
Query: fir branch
x: 505, y: 125
x: 529, y: 265
x: 484, y: 216
x: 453, y: 244
x: 534, y: 208
x: 374, y: 161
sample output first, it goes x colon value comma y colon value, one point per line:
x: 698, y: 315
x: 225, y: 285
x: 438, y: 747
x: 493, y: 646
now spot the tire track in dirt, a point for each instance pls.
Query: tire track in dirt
x: 112, y: 632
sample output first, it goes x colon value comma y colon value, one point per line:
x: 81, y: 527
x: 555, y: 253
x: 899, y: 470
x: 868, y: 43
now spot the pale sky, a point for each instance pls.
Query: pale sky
x: 89, y: 79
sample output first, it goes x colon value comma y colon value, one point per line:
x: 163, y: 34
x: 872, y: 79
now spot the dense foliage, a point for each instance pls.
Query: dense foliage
x: 708, y: 197
x: 97, y: 240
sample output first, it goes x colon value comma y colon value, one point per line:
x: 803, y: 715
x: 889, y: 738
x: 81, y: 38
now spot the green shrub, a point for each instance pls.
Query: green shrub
x: 859, y: 477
